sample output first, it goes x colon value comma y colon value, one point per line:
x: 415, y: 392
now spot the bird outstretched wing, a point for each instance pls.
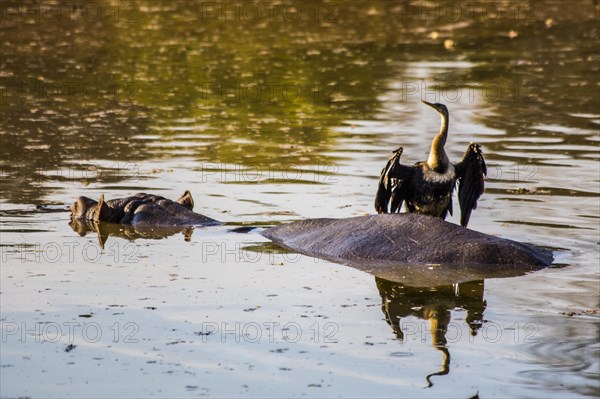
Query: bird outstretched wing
x: 392, y: 184
x: 470, y: 172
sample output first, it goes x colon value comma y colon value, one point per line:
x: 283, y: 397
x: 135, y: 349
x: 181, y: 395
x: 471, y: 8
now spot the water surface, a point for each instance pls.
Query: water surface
x: 274, y: 112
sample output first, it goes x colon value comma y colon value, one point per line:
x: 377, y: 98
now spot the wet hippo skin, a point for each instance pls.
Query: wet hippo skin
x: 410, y: 239
x: 141, y: 210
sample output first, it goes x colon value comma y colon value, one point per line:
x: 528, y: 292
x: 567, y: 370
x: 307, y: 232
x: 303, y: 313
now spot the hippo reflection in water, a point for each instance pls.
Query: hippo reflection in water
x: 139, y: 216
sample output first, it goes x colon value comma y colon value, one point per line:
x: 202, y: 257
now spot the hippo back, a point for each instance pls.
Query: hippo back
x: 403, y: 239
x: 163, y: 212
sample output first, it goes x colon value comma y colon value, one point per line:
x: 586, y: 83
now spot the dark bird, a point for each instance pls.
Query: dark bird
x: 426, y: 187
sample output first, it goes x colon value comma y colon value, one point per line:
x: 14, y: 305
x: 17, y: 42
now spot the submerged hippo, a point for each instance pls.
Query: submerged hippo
x: 141, y: 210
x: 410, y: 246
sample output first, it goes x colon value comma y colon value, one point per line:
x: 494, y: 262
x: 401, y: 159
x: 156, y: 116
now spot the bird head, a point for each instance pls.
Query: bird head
x: 476, y: 148
x: 441, y: 108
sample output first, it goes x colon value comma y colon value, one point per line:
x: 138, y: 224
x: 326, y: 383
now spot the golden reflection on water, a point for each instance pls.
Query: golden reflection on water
x: 279, y: 95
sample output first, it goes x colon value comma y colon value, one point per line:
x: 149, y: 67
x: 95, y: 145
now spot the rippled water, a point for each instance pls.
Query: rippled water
x: 274, y: 112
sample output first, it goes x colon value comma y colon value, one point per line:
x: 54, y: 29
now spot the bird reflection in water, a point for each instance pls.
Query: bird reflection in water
x: 433, y: 304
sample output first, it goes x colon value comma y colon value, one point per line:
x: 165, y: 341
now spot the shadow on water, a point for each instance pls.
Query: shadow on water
x: 433, y: 275
x: 433, y: 304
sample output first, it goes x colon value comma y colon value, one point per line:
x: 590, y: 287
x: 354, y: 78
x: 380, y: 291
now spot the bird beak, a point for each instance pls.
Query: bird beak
x: 430, y: 104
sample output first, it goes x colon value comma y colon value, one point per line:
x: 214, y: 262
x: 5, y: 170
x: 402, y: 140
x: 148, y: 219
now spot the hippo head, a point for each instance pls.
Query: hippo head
x: 87, y: 209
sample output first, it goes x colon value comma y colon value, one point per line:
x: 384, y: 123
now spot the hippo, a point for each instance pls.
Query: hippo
x: 414, y: 249
x: 142, y: 215
x: 141, y: 210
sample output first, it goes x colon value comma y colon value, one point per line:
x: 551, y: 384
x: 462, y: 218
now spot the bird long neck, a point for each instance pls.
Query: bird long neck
x: 438, y: 160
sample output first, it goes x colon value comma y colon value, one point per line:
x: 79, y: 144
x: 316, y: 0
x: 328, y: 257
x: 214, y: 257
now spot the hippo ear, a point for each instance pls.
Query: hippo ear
x: 186, y: 200
x: 103, y: 213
